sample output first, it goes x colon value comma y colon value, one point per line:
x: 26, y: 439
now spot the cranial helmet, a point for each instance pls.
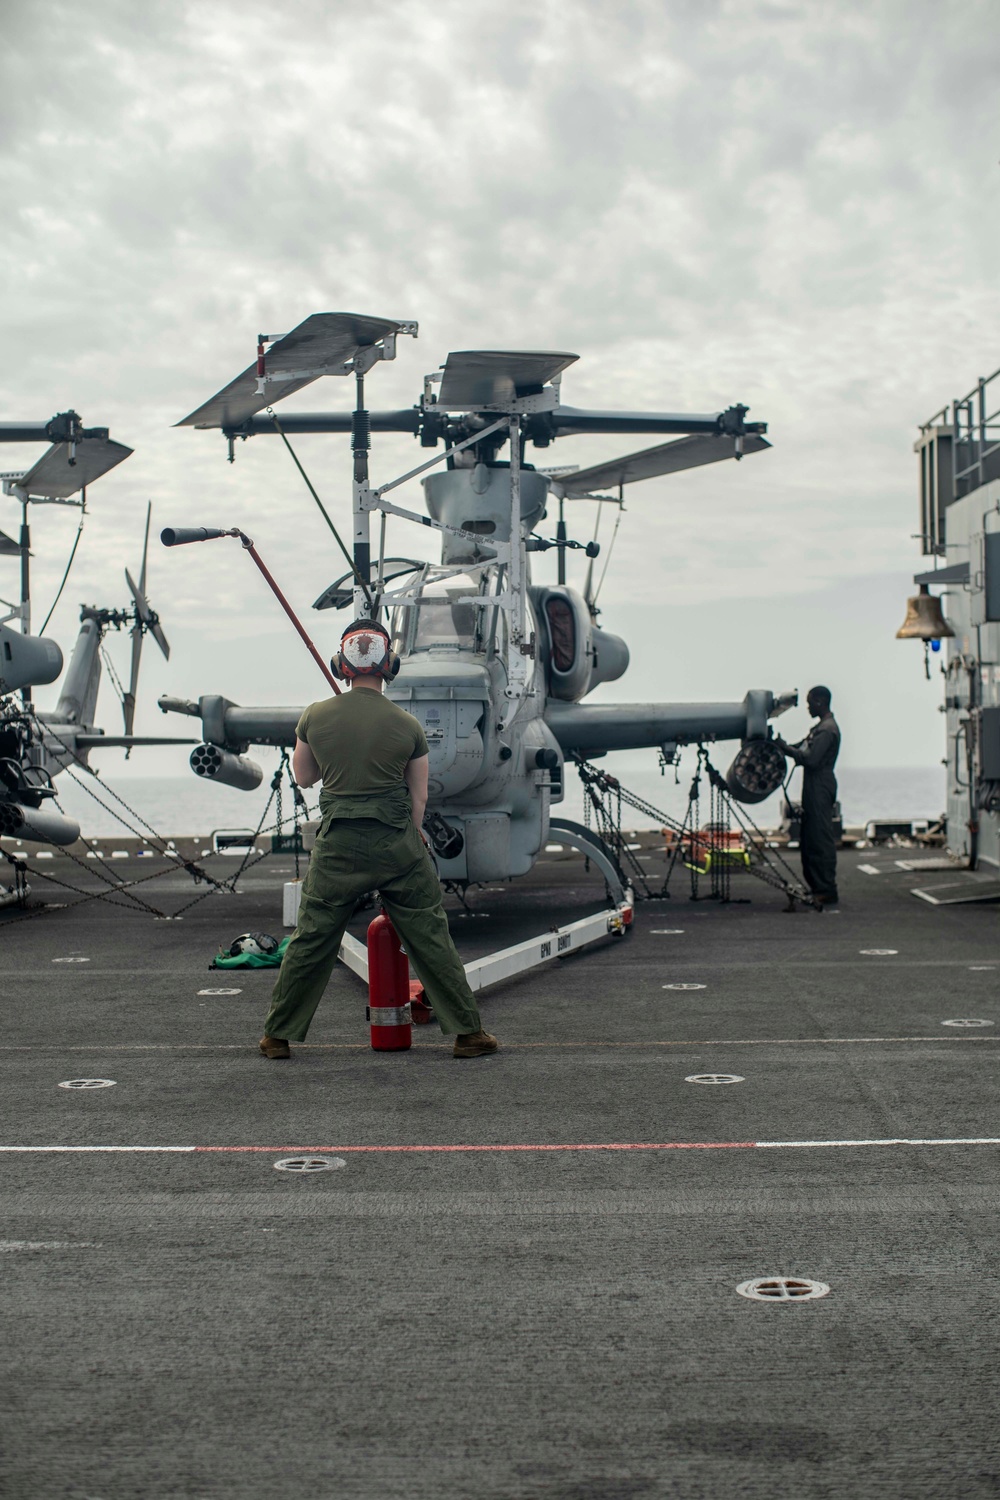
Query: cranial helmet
x: 257, y: 943
x: 365, y: 652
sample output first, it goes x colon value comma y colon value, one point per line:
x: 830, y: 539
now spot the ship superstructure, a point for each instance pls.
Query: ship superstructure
x: 959, y: 454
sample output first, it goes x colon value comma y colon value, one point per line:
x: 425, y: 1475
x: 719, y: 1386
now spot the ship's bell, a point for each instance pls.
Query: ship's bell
x: 924, y: 620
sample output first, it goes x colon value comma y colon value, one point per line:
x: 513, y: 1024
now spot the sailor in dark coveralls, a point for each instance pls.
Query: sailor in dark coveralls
x: 817, y: 755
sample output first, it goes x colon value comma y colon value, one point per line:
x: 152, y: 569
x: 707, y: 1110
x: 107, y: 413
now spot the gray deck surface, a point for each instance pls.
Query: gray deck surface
x: 550, y: 1324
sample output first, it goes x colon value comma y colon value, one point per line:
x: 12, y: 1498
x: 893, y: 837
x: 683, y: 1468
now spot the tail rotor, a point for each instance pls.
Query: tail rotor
x: 146, y: 621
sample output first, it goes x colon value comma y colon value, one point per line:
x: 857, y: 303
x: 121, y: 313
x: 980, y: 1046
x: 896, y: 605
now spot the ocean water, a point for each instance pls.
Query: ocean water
x: 176, y: 805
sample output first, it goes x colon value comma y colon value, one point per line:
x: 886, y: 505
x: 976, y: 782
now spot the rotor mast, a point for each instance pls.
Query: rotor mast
x: 360, y: 445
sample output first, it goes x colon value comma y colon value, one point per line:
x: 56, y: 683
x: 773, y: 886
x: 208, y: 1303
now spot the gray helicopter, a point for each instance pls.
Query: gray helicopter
x: 494, y: 667
x: 36, y: 745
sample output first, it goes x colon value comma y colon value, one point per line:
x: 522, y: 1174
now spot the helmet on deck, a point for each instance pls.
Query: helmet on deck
x: 260, y: 943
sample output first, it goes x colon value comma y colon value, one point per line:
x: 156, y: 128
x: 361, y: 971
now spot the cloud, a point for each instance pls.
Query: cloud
x: 791, y: 205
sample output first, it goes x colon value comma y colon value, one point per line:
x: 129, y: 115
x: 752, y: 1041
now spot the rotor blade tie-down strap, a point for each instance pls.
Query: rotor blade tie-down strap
x: 76, y: 543
x: 309, y: 485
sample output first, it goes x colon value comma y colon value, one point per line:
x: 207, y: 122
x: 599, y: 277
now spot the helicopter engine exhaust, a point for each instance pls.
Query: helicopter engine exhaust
x: 227, y: 769
x: 41, y: 825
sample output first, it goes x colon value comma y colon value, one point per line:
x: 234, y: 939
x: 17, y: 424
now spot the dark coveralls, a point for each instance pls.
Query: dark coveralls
x: 817, y: 755
x: 365, y: 844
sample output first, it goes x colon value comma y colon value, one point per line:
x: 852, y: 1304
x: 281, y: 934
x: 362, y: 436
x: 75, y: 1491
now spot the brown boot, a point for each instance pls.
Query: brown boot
x: 474, y: 1044
x: 274, y: 1047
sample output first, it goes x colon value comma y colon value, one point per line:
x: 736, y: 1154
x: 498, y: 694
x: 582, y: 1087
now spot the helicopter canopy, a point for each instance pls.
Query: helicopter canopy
x: 438, y: 622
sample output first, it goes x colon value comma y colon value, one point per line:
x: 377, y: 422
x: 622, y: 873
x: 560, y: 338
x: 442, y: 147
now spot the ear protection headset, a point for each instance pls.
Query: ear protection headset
x: 365, y: 652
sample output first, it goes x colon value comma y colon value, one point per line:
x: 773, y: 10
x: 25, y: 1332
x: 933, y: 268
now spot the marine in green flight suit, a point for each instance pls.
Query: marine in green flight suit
x: 373, y: 760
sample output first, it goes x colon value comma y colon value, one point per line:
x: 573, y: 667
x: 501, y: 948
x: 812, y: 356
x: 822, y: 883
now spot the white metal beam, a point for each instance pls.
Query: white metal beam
x: 558, y: 942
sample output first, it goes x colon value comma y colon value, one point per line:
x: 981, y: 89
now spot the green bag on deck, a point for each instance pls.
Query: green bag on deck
x: 251, y: 960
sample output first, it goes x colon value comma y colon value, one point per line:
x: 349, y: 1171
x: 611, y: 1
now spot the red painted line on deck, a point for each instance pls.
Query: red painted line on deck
x: 784, y: 1041
x: 603, y: 1146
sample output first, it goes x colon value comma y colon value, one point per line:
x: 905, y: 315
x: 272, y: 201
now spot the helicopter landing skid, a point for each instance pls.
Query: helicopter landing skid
x: 558, y: 942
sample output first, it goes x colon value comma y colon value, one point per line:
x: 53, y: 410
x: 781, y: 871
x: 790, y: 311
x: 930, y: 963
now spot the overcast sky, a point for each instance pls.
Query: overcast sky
x: 789, y: 205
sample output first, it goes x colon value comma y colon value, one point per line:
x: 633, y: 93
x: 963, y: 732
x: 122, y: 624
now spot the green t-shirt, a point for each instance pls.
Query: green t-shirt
x: 362, y: 742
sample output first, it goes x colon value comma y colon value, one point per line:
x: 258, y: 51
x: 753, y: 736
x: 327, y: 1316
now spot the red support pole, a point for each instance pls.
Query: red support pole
x: 249, y: 547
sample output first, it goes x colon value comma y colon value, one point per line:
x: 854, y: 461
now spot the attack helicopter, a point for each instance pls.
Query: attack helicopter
x: 495, y: 668
x: 36, y: 745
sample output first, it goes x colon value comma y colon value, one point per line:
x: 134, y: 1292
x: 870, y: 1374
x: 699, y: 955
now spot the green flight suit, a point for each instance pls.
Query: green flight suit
x: 370, y: 843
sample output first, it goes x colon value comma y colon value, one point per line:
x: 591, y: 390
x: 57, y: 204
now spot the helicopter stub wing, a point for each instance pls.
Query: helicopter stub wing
x: 594, y: 729
x: 54, y: 477
x: 321, y: 345
x: 666, y: 458
x: 493, y: 377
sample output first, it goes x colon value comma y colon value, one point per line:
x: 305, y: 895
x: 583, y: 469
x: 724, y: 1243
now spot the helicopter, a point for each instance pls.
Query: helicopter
x: 494, y: 667
x: 35, y: 746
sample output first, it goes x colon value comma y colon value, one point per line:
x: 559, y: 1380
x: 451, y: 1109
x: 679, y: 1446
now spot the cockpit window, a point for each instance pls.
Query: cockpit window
x: 442, y: 622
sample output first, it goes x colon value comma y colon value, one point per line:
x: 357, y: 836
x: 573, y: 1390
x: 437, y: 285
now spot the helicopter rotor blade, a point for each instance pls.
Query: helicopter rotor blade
x: 566, y: 421
x: 156, y: 631
x: 128, y: 704
x: 323, y: 344
x: 59, y: 473
x: 588, y: 585
x: 650, y: 463
x: 490, y: 377
x: 141, y: 606
x: 149, y: 620
x: 329, y: 421
x: 145, y: 550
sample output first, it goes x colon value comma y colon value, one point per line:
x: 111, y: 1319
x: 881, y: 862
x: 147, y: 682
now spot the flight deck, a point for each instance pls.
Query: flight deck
x: 362, y: 1274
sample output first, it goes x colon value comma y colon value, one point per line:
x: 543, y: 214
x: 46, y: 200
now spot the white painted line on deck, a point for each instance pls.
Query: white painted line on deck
x: 85, y: 1149
x: 7, y: 1245
x: 965, y: 1140
x: 869, y: 869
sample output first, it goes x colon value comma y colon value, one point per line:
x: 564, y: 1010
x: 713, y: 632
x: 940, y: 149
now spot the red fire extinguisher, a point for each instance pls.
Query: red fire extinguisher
x: 388, y: 1012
